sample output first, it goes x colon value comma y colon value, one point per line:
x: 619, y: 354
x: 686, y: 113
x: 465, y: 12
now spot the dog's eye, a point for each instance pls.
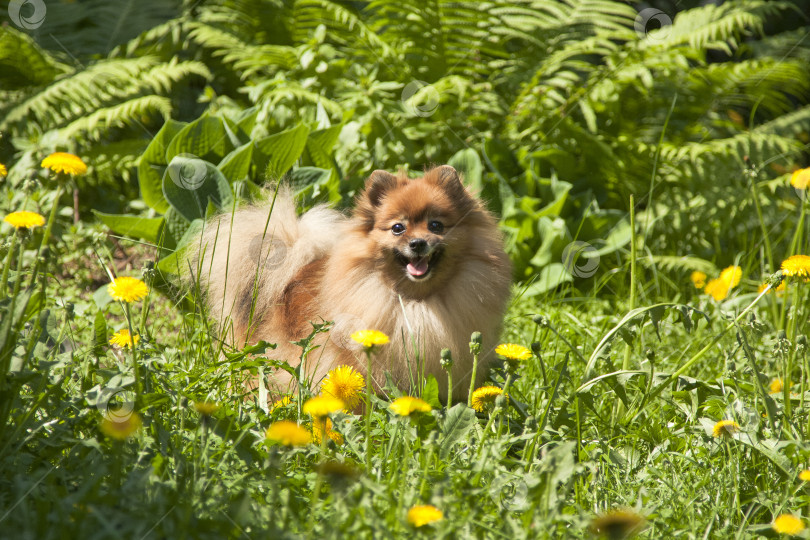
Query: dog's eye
x: 435, y: 227
x: 398, y: 228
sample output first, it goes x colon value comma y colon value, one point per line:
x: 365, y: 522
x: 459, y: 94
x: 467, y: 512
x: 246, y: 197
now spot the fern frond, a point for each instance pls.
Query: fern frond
x: 124, y: 114
x: 23, y: 62
x: 718, y: 27
x: 100, y: 85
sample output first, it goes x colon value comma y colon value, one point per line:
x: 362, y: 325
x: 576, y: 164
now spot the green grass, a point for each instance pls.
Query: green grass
x: 579, y: 435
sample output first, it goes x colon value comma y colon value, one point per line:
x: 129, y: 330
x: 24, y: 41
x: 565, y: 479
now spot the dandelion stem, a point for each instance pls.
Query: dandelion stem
x: 472, y: 379
x: 51, y: 218
x: 368, y: 409
x: 7, y: 266
x: 134, y: 354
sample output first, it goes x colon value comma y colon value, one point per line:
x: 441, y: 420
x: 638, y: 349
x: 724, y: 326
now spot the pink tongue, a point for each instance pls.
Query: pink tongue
x: 419, y: 268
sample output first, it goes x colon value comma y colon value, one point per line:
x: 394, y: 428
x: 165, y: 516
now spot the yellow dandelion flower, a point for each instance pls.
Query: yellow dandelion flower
x: 776, y: 385
x: 804, y: 476
x: 321, y: 429
x: 288, y: 433
x: 121, y: 428
x: 788, y: 524
x: 484, y: 398
x: 510, y: 351
x: 3, y: 170
x: 406, y: 405
x: 424, y: 514
x: 344, y: 383
x: 797, y: 266
x: 725, y: 428
x: 369, y: 338
x: 24, y: 220
x: 65, y: 163
x: 205, y: 408
x: 122, y: 339
x: 283, y: 402
x: 320, y: 406
x: 127, y: 289
x: 698, y: 279
x: 720, y: 288
x: 800, y: 178
x: 619, y: 523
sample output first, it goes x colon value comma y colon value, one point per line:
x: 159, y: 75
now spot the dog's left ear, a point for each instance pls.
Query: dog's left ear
x: 448, y: 178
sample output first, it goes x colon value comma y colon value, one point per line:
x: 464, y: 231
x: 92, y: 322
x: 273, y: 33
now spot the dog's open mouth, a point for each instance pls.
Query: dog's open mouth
x: 419, y: 268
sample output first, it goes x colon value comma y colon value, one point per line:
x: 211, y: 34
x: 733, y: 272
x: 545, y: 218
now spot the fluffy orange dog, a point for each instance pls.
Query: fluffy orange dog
x: 419, y: 259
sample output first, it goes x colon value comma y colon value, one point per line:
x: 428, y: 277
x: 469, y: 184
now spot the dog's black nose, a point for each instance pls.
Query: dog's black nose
x: 418, y: 244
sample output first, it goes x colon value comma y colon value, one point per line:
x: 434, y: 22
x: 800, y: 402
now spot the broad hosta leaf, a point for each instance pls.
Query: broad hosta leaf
x: 236, y: 165
x: 176, y: 227
x: 153, y: 163
x: 309, y: 181
x: 148, y: 229
x: 319, y: 146
x: 205, y: 138
x: 277, y: 153
x: 189, y: 183
x: 469, y: 165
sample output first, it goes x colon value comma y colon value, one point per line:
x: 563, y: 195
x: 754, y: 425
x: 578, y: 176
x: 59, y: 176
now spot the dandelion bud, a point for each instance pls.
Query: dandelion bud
x: 69, y: 309
x: 650, y: 354
x: 541, y: 321
x: 536, y: 348
x: 446, y: 360
x: 475, y: 342
x: 29, y: 186
x: 500, y: 402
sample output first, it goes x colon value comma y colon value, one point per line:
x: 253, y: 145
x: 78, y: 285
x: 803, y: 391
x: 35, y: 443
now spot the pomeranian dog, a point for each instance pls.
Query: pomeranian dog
x: 420, y: 260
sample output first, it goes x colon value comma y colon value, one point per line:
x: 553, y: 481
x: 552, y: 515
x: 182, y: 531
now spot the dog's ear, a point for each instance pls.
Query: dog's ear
x: 447, y: 177
x: 378, y: 183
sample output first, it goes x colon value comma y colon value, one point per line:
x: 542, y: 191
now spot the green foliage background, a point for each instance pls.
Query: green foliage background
x: 557, y: 112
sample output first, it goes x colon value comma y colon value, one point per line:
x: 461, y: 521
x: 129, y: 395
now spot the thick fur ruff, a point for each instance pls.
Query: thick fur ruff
x: 267, y: 274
